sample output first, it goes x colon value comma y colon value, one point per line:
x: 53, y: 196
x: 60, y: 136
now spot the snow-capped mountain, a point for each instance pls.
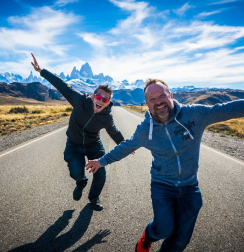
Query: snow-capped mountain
x: 81, y: 85
x: 188, y: 89
x: 9, y: 78
x: 85, y: 81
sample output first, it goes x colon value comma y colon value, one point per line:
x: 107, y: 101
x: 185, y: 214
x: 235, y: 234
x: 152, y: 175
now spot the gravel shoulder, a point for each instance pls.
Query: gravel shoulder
x: 8, y: 141
x: 232, y: 146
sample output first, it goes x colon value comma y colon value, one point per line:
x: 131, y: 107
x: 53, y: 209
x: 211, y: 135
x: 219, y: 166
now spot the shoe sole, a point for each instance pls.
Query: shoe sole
x: 96, y: 208
x: 136, y: 247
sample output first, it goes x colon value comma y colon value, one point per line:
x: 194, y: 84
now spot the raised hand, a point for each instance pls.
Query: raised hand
x: 35, y: 64
x: 93, y: 165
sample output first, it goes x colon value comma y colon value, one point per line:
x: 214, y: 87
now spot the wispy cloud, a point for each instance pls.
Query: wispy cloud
x: 39, y: 29
x: 206, y: 14
x: 197, y: 52
x: 64, y: 2
x: 181, y: 11
x: 224, y: 2
x: 36, y: 32
x: 93, y: 39
x: 138, y: 12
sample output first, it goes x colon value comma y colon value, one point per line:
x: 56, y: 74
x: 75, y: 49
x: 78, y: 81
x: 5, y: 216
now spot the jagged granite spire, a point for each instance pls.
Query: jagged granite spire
x: 74, y: 73
x: 86, y: 71
x: 62, y: 76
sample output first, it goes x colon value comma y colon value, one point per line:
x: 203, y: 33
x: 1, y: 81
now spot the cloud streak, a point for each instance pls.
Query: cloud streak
x: 181, y: 11
x: 37, y: 30
x: 223, y: 2
x: 64, y: 2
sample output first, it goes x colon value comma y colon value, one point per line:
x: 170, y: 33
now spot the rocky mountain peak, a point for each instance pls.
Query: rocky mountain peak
x: 74, y: 74
x: 62, y: 76
x: 86, y: 71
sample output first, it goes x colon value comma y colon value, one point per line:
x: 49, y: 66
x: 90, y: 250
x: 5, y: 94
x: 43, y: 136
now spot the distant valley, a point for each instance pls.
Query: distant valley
x: 42, y: 93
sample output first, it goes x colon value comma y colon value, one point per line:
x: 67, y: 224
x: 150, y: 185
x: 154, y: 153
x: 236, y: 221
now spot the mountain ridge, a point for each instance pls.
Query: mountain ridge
x: 84, y: 80
x: 40, y: 92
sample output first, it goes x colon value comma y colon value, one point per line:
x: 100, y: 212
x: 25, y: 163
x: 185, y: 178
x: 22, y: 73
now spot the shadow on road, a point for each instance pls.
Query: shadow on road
x: 49, y: 241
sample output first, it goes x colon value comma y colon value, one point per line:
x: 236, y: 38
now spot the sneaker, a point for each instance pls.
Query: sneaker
x: 77, y: 193
x: 143, y: 245
x: 96, y: 205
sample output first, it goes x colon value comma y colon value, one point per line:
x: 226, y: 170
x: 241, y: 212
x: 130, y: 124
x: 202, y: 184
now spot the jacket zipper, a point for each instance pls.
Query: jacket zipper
x: 176, y: 152
x: 83, y: 134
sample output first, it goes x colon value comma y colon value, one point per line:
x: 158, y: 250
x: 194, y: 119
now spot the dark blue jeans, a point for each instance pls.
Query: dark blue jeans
x: 175, y: 213
x: 75, y: 155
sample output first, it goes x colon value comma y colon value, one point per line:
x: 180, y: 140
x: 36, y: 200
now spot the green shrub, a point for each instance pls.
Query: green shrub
x: 17, y: 110
x: 68, y: 109
x: 53, y: 111
x: 37, y: 111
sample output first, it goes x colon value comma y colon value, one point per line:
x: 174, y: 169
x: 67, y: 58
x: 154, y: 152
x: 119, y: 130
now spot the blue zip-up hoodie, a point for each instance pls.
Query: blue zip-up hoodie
x: 175, y: 144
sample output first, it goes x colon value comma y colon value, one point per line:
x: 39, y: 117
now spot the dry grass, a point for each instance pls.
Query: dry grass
x: 140, y: 109
x: 233, y: 127
x: 19, y: 101
x: 35, y: 115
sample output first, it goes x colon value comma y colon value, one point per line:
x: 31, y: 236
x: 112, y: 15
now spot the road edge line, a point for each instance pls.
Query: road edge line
x: 223, y: 154
x: 39, y: 138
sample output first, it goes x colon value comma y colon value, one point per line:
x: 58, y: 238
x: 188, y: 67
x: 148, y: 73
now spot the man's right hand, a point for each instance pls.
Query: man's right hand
x: 93, y: 165
x: 35, y: 64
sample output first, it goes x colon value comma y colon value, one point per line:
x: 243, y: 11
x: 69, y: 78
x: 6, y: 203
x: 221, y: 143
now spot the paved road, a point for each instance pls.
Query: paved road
x: 37, y: 212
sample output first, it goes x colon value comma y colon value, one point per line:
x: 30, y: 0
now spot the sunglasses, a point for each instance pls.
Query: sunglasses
x: 99, y: 97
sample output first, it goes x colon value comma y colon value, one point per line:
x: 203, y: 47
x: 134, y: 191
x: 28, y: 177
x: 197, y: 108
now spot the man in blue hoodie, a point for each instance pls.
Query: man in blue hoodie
x: 172, y: 132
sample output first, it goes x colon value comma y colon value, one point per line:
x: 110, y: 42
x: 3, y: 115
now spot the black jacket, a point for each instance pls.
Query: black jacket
x: 84, y: 124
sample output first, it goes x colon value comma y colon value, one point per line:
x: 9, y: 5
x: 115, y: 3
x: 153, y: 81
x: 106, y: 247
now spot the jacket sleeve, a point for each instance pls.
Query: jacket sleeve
x: 73, y: 97
x: 113, y: 132
x: 223, y: 111
x: 123, y: 149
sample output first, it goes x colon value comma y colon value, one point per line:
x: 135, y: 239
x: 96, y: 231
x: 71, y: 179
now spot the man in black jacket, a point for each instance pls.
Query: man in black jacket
x: 90, y: 114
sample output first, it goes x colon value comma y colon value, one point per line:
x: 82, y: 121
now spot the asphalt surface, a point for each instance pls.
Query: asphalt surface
x: 37, y: 212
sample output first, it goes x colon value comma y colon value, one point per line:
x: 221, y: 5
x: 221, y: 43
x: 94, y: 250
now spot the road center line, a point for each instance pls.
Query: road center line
x: 223, y: 154
x: 53, y: 132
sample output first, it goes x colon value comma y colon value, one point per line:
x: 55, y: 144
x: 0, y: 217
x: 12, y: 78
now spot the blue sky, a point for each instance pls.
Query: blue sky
x: 198, y: 43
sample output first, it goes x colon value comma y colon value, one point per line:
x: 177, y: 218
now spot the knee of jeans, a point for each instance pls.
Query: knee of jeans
x: 161, y: 232
x: 101, y: 173
x: 181, y: 244
x: 76, y: 175
x: 75, y: 172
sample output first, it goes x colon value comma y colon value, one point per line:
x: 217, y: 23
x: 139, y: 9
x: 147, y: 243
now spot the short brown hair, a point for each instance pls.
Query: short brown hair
x: 106, y: 88
x: 153, y: 81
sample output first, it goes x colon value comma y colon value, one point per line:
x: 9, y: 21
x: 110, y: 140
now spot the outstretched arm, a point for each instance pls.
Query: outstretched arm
x: 93, y: 165
x: 35, y: 64
x: 73, y: 97
x: 119, y: 152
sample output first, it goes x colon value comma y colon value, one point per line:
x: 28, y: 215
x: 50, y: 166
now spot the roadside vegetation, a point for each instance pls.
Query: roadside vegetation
x: 140, y: 109
x: 19, y: 118
x: 233, y: 127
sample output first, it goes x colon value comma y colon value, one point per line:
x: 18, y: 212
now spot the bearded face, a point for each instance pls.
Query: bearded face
x: 160, y: 101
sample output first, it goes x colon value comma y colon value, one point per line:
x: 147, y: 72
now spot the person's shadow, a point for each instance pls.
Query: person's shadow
x: 49, y: 241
